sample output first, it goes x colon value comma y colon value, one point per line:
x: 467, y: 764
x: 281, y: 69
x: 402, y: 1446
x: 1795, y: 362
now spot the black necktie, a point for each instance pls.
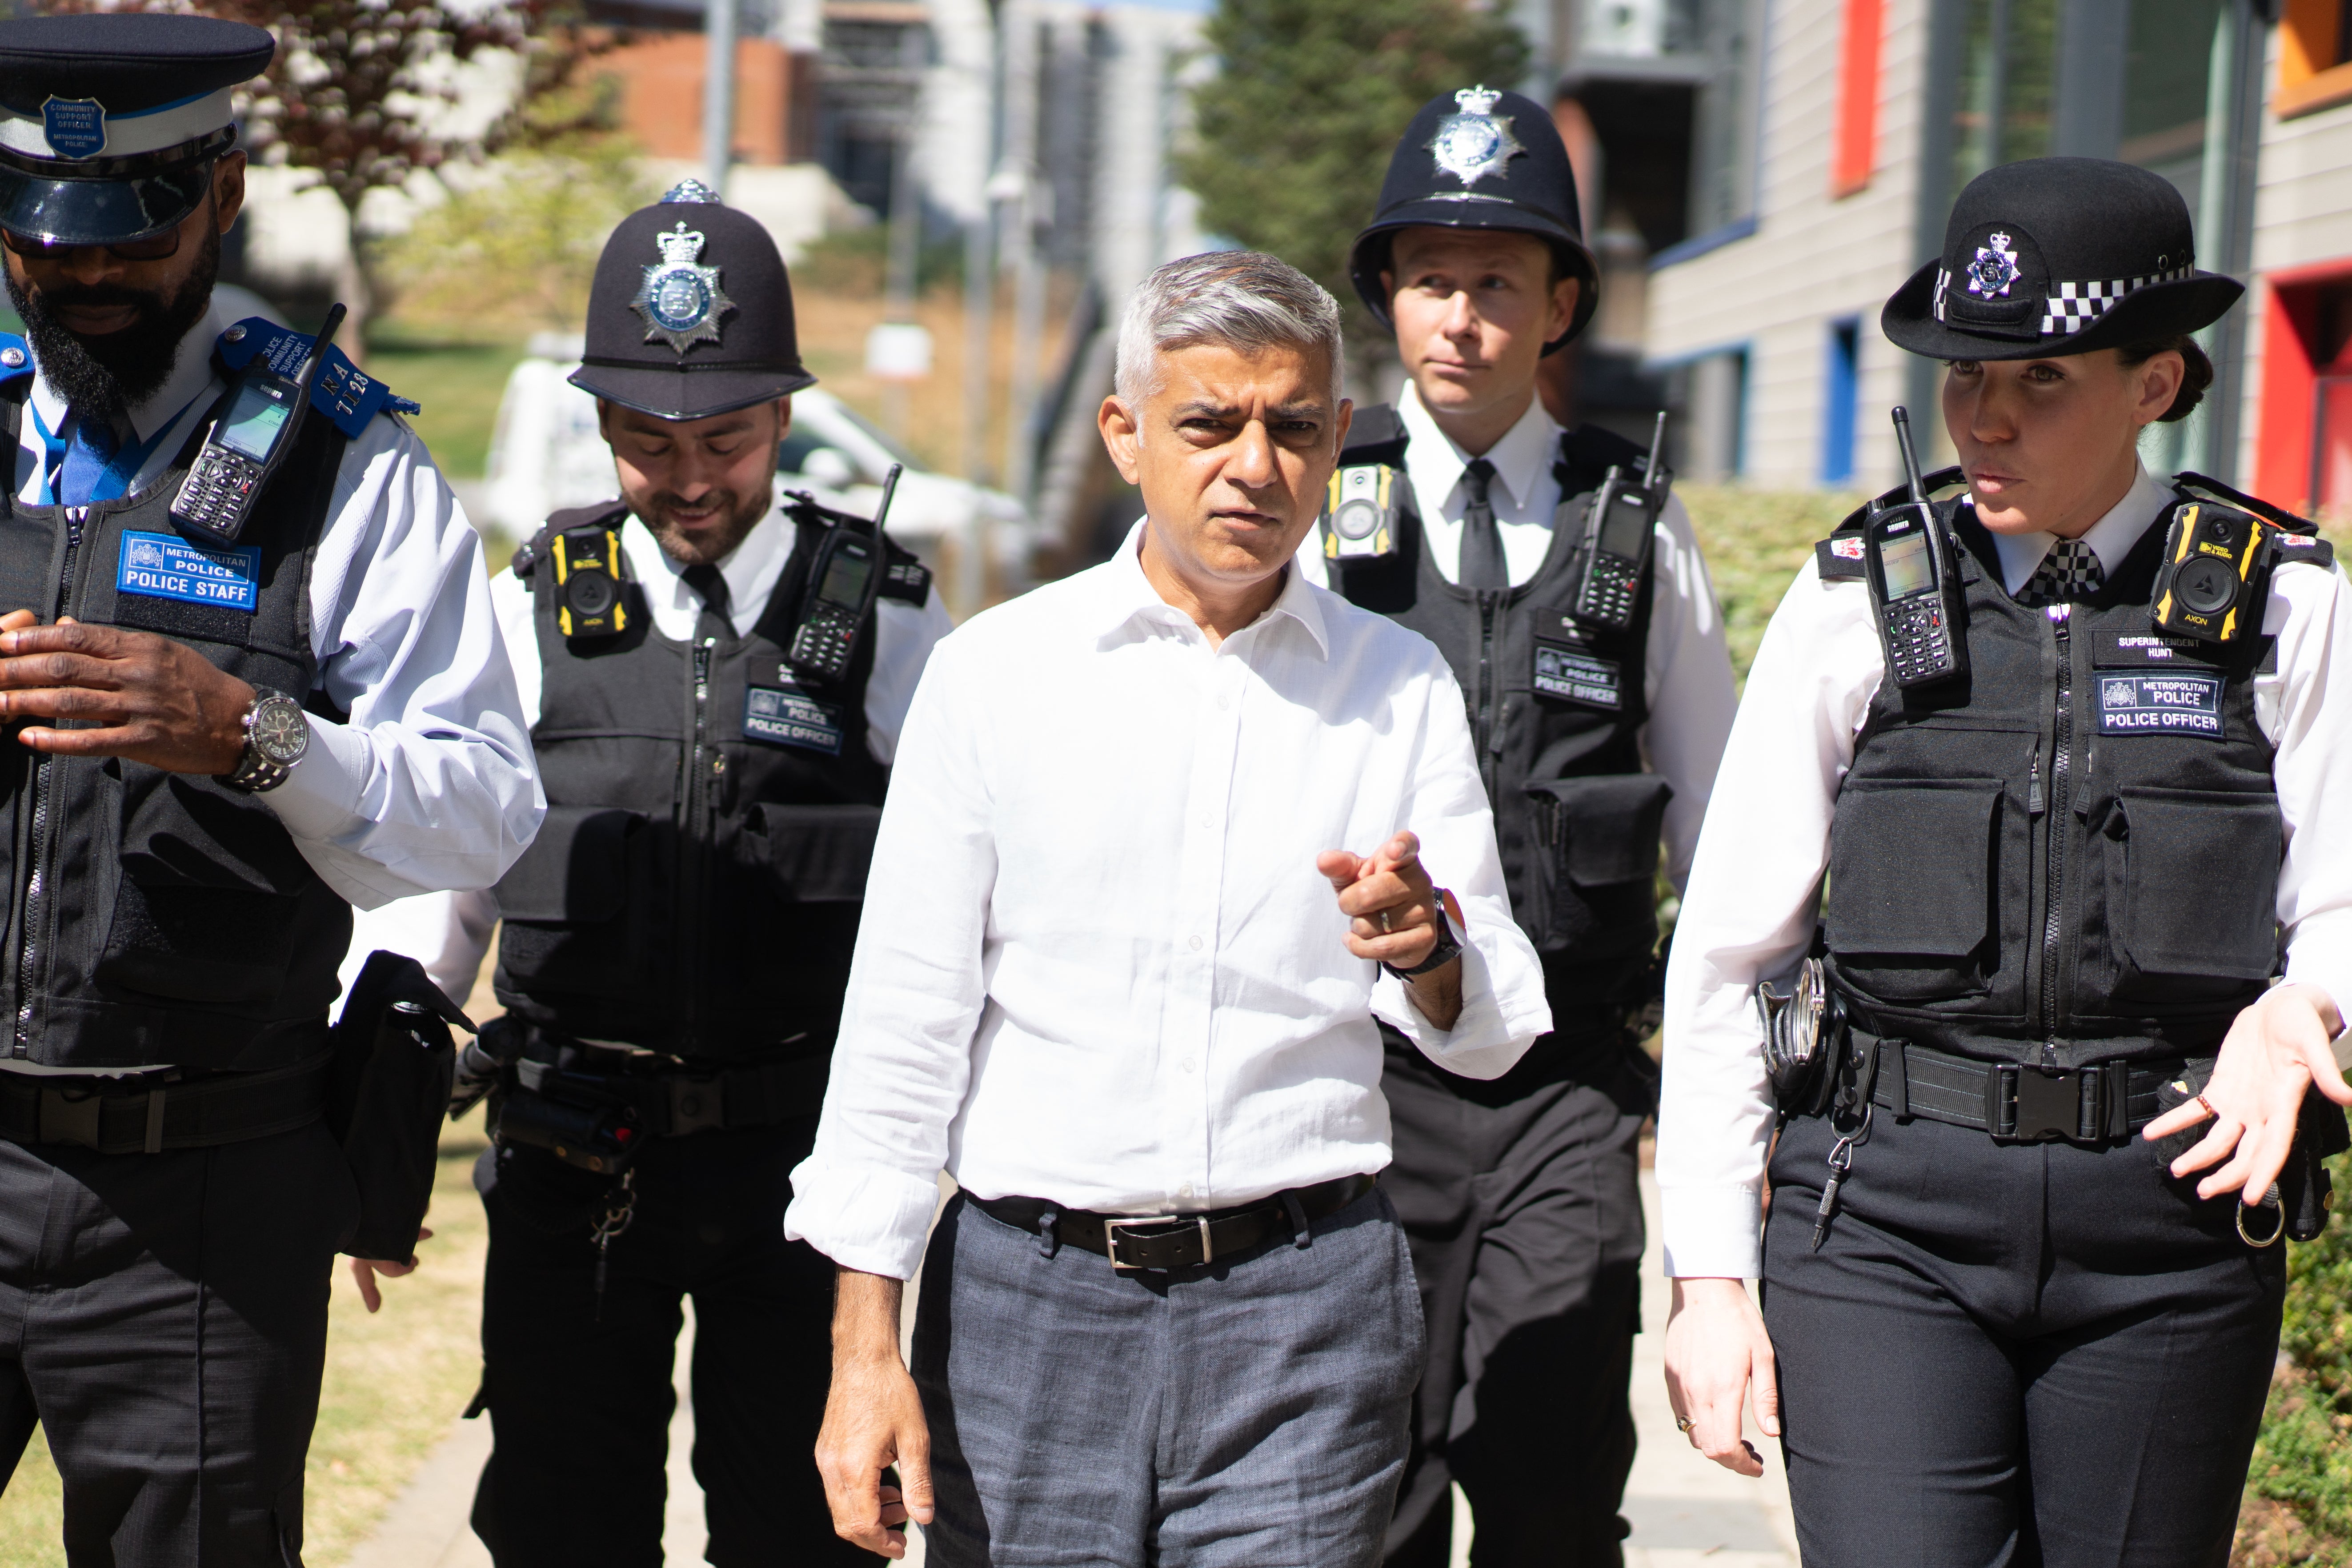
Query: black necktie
x: 1482, y: 543
x: 706, y: 580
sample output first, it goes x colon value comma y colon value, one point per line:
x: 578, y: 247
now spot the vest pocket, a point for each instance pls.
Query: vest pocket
x: 1911, y: 879
x: 1596, y: 864
x: 567, y: 902
x: 2193, y: 890
x: 205, y: 906
x: 817, y: 854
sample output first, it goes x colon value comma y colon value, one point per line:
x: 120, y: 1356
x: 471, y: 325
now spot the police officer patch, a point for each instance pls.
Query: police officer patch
x: 2170, y: 704
x: 680, y: 298
x: 1473, y: 143
x: 1574, y: 675
x: 789, y: 718
x: 75, y: 127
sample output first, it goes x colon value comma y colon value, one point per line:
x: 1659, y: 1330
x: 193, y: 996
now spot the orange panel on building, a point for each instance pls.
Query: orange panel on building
x: 1856, y: 149
x: 661, y: 97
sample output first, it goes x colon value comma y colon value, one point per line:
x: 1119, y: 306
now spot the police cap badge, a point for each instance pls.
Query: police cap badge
x: 680, y: 298
x: 1473, y: 144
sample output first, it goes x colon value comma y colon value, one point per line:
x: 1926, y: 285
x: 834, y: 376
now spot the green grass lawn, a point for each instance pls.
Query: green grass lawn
x: 459, y: 385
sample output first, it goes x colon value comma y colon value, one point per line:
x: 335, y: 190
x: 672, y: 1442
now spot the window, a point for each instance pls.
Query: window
x: 1839, y: 388
x: 2314, y: 57
x: 2008, y: 68
x: 1726, y: 130
x: 1858, y: 131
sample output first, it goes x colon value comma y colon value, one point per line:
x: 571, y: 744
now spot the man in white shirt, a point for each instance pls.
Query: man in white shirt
x: 245, y: 732
x: 1102, y: 982
x: 675, y: 943
x: 1599, y: 726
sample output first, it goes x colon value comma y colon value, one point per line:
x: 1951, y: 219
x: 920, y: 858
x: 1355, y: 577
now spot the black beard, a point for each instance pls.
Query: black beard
x: 103, y: 377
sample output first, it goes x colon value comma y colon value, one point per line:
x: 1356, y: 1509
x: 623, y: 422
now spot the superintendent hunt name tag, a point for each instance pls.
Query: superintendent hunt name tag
x: 165, y: 566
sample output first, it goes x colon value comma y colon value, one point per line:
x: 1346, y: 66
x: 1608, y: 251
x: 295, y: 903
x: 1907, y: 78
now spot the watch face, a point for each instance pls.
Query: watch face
x: 279, y: 731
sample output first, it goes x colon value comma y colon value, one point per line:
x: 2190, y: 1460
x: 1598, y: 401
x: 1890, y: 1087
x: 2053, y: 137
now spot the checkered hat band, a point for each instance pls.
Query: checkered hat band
x: 2072, y: 307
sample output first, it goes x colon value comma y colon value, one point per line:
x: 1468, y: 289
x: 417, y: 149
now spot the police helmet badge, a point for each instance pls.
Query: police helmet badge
x: 1475, y: 143
x: 74, y: 127
x: 1994, y: 268
x: 680, y: 298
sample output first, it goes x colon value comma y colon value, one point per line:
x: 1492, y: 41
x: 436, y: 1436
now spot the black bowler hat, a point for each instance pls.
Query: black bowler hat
x: 2059, y: 256
x: 1479, y: 159
x: 690, y: 313
x: 109, y: 123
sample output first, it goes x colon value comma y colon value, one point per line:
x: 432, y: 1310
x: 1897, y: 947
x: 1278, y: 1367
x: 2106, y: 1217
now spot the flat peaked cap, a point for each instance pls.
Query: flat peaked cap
x: 1480, y: 158
x: 2050, y: 257
x: 109, y: 123
x: 690, y: 313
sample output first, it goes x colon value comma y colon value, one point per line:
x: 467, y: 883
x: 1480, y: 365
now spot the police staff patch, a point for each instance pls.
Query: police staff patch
x: 165, y: 566
x: 2168, y: 704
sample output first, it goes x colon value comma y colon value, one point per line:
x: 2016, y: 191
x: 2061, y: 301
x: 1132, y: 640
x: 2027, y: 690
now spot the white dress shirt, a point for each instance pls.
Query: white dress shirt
x: 1097, y: 965
x: 1686, y: 671
x: 430, y: 783
x: 449, y: 933
x: 1751, y: 905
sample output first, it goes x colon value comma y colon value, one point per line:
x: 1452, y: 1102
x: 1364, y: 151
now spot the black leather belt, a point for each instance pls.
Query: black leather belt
x: 142, y: 1116
x: 2096, y: 1104
x: 1177, y: 1240
x: 672, y: 1101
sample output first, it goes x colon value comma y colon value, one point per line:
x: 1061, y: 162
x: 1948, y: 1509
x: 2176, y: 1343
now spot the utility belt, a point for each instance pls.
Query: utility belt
x: 155, y: 1113
x: 1164, y: 1241
x: 2101, y: 1103
x: 598, y: 1120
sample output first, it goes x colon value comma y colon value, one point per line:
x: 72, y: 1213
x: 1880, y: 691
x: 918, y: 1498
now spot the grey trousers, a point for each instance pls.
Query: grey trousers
x: 1249, y: 1413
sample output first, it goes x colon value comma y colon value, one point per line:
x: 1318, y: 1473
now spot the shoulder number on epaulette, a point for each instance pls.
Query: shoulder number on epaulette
x: 907, y: 580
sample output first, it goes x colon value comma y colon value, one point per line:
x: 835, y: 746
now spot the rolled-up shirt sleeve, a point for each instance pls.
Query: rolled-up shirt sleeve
x: 2313, y: 771
x: 866, y: 1195
x: 1503, y: 1004
x: 428, y: 784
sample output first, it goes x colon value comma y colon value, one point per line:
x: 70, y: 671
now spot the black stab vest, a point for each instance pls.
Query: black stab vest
x: 1576, y: 818
x: 694, y: 889
x: 2015, y: 879
x: 155, y: 916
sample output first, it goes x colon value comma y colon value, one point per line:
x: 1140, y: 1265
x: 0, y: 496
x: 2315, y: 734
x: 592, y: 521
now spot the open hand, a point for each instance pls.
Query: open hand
x: 1717, y: 1349
x: 145, y: 698
x: 365, y: 1271
x: 2275, y: 1051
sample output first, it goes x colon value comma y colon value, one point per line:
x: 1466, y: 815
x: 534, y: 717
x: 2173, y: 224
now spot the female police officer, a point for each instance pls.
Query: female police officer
x: 2023, y: 1327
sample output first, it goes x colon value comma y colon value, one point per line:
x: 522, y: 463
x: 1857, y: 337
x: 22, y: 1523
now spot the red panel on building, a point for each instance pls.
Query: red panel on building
x: 661, y: 97
x: 1857, y: 150
x: 2302, y: 449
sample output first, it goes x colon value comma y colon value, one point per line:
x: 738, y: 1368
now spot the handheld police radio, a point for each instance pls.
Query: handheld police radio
x: 245, y: 445
x: 843, y: 584
x: 1914, y: 583
x: 1617, y: 538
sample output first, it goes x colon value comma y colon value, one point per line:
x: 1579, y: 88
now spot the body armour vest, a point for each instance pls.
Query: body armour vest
x: 1556, y: 709
x: 2071, y: 855
x: 695, y: 886
x: 155, y: 916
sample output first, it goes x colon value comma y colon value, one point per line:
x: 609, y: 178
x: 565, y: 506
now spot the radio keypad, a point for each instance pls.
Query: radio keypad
x: 1918, y: 639
x: 1608, y: 591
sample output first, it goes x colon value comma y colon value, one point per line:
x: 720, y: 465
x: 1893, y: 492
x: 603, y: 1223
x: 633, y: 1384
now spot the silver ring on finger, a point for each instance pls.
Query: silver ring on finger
x: 1385, y: 924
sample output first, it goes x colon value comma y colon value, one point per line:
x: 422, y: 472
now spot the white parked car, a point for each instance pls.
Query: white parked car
x: 545, y: 454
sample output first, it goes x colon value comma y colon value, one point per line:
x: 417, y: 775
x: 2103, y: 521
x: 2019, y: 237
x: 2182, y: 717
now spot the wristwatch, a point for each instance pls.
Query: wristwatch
x: 1446, y: 950
x: 277, y: 734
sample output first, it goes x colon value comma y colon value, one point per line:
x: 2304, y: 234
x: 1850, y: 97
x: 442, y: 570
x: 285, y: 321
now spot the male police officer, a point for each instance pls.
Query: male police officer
x: 225, y: 745
x: 677, y: 944
x: 1462, y: 513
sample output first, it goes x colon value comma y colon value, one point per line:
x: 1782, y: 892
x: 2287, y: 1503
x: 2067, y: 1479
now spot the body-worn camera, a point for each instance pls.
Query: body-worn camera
x: 2215, y: 561
x: 1360, y: 512
x: 1618, y: 536
x: 843, y: 583
x: 1914, y: 588
x: 589, y: 602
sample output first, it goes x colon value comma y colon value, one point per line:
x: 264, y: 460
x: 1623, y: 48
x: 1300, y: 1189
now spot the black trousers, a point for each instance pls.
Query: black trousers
x: 163, y: 1318
x: 2013, y: 1356
x: 1522, y: 1200
x: 580, y: 1402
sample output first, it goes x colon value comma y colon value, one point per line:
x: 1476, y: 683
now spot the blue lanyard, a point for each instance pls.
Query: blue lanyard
x: 119, y: 472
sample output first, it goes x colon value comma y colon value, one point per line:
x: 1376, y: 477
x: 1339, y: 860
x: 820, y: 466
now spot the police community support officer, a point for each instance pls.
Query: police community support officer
x: 2059, y: 887
x: 678, y: 940
x: 181, y: 859
x: 1520, y: 1194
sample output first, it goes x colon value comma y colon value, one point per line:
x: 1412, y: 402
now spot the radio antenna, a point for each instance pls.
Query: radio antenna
x: 1910, y: 458
x: 1657, y: 450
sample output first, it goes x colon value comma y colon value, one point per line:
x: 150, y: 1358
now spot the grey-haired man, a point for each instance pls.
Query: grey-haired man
x: 1159, y: 850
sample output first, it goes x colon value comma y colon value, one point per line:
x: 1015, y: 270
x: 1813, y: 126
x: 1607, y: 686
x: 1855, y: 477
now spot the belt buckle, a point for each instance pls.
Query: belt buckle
x: 68, y: 1119
x: 2047, y: 1107
x: 697, y: 1105
x: 1111, y: 1227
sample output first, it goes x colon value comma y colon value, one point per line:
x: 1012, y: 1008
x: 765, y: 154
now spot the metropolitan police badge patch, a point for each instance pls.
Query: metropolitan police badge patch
x: 1994, y: 268
x: 680, y: 298
x: 1473, y: 143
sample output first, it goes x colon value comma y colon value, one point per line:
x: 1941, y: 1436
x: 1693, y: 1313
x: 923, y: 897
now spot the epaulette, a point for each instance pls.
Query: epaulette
x: 1376, y: 435
x: 15, y: 359
x: 904, y: 575
x: 1587, y: 454
x: 534, y: 549
x: 343, y: 393
x: 2296, y: 539
x: 1838, y: 557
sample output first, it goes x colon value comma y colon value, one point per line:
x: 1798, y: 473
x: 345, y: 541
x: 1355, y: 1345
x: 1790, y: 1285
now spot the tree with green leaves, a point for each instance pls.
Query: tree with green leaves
x: 1295, y: 131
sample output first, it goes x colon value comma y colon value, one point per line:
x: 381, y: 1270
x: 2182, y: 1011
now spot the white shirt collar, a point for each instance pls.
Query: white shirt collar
x: 192, y: 375
x: 2110, y: 538
x: 1521, y: 458
x: 751, y: 569
x: 1128, y: 595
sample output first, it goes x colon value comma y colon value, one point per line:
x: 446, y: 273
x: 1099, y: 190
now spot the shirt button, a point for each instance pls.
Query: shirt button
x: 1185, y: 1191
x: 1189, y: 1064
x: 1196, y: 944
x: 1222, y: 704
